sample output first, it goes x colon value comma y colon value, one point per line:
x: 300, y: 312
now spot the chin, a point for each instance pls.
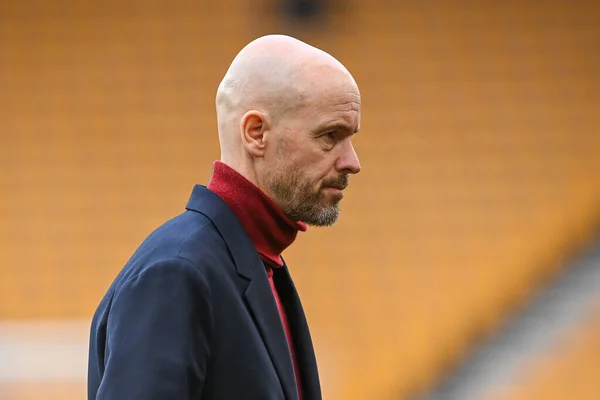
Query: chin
x: 335, y: 199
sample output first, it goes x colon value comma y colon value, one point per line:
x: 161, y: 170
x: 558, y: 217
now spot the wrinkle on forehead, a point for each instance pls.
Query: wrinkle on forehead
x: 342, y: 110
x: 346, y: 103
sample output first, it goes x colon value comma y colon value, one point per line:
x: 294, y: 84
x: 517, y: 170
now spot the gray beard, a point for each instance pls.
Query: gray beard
x: 315, y: 216
x: 301, y: 203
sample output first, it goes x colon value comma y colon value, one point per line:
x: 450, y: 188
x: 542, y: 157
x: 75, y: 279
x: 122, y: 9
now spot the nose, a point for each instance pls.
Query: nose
x: 348, y: 161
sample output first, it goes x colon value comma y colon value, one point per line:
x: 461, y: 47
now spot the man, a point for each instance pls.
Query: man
x: 205, y: 308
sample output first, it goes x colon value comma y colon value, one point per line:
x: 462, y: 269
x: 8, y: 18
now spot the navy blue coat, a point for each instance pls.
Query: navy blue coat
x: 192, y: 316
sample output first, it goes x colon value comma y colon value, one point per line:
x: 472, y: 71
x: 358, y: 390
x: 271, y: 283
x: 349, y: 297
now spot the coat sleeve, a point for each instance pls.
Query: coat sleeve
x: 158, y: 335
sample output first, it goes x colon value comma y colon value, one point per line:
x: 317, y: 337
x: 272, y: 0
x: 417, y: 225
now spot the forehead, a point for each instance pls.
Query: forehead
x: 341, y: 112
x: 340, y: 106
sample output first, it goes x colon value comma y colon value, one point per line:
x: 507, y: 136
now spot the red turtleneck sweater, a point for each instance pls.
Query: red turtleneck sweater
x: 268, y: 227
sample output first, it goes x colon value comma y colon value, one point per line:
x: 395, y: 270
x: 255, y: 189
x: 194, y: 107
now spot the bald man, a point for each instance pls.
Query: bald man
x: 206, y: 308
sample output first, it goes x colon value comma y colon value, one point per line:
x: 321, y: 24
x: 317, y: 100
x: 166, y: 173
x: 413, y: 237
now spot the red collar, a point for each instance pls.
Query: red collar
x: 268, y: 227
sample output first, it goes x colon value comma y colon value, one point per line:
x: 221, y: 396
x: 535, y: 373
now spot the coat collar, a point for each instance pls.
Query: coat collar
x: 258, y: 293
x: 244, y: 253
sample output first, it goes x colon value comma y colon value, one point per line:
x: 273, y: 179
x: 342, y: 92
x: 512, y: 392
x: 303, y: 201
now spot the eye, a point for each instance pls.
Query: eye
x: 329, y: 139
x: 329, y: 136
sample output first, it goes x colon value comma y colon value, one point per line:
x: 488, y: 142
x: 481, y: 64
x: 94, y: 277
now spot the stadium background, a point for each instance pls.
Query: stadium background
x: 480, y: 148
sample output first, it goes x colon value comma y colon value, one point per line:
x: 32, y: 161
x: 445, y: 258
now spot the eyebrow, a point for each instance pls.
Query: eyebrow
x: 339, y: 126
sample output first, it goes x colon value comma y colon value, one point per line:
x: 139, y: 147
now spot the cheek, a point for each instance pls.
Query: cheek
x: 306, y: 174
x: 307, y: 161
x: 318, y: 173
x: 319, y: 169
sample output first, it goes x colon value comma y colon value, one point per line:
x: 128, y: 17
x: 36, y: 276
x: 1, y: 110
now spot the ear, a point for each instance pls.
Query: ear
x: 253, y: 128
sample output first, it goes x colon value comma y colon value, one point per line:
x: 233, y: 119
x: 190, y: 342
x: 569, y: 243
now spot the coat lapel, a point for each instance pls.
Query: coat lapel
x: 305, y: 353
x: 264, y: 310
x: 258, y: 292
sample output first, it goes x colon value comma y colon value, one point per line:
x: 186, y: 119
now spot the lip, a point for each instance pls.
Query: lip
x: 336, y: 187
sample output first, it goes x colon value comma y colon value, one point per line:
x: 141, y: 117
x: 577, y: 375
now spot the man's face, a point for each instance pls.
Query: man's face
x: 314, y: 156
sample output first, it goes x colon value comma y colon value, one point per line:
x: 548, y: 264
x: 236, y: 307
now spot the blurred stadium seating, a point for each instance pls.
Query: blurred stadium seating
x: 571, y: 372
x: 480, y: 146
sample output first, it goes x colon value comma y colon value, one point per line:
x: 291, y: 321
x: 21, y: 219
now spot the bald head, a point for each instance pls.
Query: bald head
x: 276, y: 75
x: 286, y: 112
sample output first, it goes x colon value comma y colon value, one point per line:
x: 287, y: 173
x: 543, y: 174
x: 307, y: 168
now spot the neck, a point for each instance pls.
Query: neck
x: 267, y: 226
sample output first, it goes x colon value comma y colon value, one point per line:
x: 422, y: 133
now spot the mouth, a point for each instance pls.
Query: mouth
x: 338, y: 187
x: 336, y: 190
